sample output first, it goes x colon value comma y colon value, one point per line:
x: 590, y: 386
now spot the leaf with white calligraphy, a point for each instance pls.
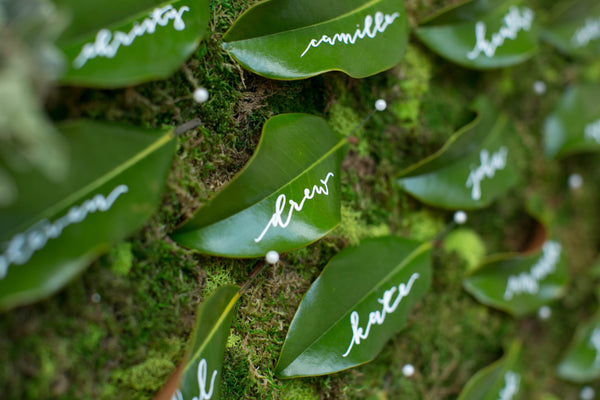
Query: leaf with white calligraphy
x: 574, y: 124
x: 115, y: 180
x: 581, y: 363
x: 199, y: 375
x: 475, y: 166
x: 574, y: 28
x: 282, y: 40
x: 520, y: 283
x: 360, y: 300
x: 503, y: 380
x: 135, y: 41
x: 287, y: 196
x: 483, y: 34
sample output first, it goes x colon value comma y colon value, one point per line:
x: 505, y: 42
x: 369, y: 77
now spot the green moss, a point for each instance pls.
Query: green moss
x: 467, y: 244
x: 150, y: 375
x: 422, y: 225
x: 122, y: 258
x: 297, y: 389
x: 354, y: 229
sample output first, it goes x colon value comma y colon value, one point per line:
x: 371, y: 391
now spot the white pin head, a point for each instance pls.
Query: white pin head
x: 575, y: 181
x: 460, y: 217
x: 380, y: 105
x: 539, y: 87
x: 408, y: 370
x: 201, y: 95
x: 587, y: 393
x: 96, y: 298
x: 272, y: 257
x: 544, y: 313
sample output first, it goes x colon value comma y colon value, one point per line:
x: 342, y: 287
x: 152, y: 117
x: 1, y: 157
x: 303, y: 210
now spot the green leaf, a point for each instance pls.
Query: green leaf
x: 135, y: 41
x: 501, y: 380
x: 575, y: 28
x: 581, y: 363
x: 483, y: 34
x: 473, y: 168
x: 361, y: 299
x: 201, y: 373
x: 114, y: 182
x: 574, y: 125
x: 287, y: 196
x: 287, y: 39
x: 520, y: 284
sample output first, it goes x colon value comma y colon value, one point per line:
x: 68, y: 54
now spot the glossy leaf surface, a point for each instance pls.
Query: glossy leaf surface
x: 473, y: 168
x: 501, y: 380
x: 482, y: 34
x: 575, y: 28
x: 581, y: 363
x: 361, y: 299
x: 201, y: 373
x: 289, y: 39
x: 137, y: 41
x: 520, y: 284
x: 574, y: 125
x: 286, y: 197
x: 114, y: 183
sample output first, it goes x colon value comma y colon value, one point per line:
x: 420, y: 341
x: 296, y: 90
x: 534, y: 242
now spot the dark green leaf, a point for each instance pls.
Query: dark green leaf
x: 520, y: 284
x: 115, y: 180
x: 473, y: 168
x: 360, y: 300
x: 286, y: 197
x: 574, y: 125
x: 483, y: 34
x: 290, y: 39
x: 581, y: 363
x: 111, y: 45
x: 501, y: 380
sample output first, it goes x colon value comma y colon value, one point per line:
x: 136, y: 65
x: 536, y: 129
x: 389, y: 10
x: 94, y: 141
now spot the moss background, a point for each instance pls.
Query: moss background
x: 119, y: 330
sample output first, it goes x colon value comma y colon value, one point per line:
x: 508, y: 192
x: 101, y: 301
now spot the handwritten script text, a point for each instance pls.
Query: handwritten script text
x: 587, y: 33
x: 512, y: 381
x: 592, y: 131
x: 487, y: 169
x: 202, y: 372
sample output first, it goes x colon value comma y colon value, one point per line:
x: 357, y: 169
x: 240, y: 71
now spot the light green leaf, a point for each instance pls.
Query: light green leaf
x: 501, y: 380
x: 474, y: 167
x: 483, y: 34
x: 110, y: 45
x: 361, y: 299
x: 115, y: 181
x: 574, y: 125
x: 288, y: 39
x: 575, y: 28
x: 581, y: 363
x: 287, y: 196
x: 520, y: 284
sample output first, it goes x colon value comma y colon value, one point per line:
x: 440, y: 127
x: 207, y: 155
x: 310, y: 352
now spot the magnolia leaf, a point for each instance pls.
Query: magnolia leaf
x: 574, y: 125
x: 474, y: 167
x: 287, y: 196
x: 287, y: 39
x: 575, y: 28
x: 581, y: 363
x: 501, y: 380
x: 115, y: 180
x: 482, y: 34
x: 199, y: 376
x: 520, y: 284
x: 361, y: 299
x: 136, y: 41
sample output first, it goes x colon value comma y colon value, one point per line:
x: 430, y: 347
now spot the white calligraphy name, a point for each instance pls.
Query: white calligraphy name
x: 487, y: 169
x: 514, y: 22
x: 529, y: 282
x: 104, y: 47
x: 512, y: 381
x: 382, y: 21
x: 592, y: 131
x: 276, y: 219
x: 22, y: 246
x: 584, y: 35
x: 595, y: 345
x: 202, y: 372
x: 378, y: 317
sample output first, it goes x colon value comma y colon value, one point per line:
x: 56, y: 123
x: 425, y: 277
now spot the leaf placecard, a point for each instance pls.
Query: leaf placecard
x: 575, y: 28
x: 520, y: 284
x: 581, y: 363
x: 361, y: 299
x: 138, y: 40
x: 287, y: 196
x: 473, y: 168
x: 54, y: 230
x: 288, y: 39
x: 199, y: 376
x: 574, y: 125
x: 482, y: 34
x: 501, y: 380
